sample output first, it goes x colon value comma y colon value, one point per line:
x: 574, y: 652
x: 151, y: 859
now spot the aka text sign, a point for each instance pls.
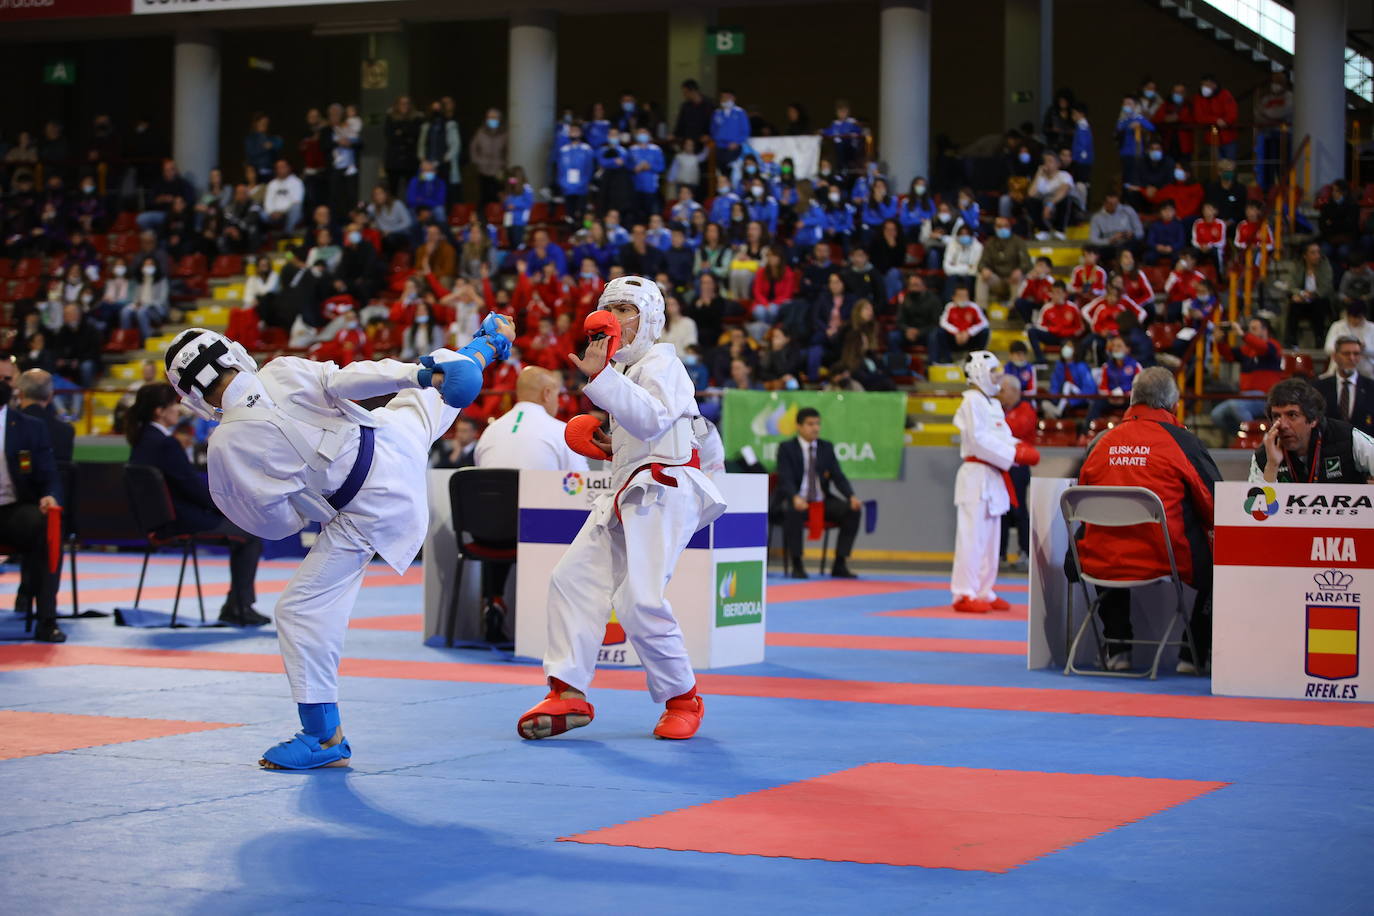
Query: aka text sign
x: 1293, y: 580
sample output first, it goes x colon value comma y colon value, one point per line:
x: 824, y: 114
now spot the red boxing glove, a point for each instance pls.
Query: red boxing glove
x: 1027, y: 454
x: 578, y: 435
x: 601, y: 324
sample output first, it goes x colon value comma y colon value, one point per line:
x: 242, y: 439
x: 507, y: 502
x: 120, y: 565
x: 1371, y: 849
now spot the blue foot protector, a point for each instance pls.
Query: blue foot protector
x: 304, y: 752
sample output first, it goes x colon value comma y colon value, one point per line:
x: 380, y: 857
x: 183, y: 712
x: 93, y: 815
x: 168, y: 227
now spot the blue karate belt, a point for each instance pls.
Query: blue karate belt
x: 367, y: 440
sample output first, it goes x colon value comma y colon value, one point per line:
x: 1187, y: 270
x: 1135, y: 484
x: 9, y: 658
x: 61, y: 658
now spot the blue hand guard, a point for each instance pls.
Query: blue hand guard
x: 462, y: 379
x: 490, y: 329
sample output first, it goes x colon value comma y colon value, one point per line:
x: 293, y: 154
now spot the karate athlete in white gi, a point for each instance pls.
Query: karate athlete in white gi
x: 982, y: 489
x: 292, y: 447
x: 626, y: 551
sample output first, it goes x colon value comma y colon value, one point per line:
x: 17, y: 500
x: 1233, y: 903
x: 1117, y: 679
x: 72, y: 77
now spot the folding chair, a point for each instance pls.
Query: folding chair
x: 485, y: 506
x: 1117, y: 507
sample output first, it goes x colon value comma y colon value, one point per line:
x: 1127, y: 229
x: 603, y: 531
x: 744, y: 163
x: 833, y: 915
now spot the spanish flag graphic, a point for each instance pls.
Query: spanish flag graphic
x: 1333, y: 642
x: 615, y: 633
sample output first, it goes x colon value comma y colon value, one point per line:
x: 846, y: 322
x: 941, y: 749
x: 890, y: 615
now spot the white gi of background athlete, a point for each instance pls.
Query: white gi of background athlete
x: 260, y: 481
x: 980, y: 492
x: 625, y: 563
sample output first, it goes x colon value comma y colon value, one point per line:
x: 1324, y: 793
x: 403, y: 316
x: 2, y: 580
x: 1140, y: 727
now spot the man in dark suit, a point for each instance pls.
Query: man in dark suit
x: 35, y: 399
x: 1349, y: 395
x: 29, y: 489
x: 461, y: 450
x: 807, y: 469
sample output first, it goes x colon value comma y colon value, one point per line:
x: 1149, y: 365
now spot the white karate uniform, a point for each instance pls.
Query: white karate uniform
x: 980, y: 494
x: 626, y: 563
x: 260, y: 481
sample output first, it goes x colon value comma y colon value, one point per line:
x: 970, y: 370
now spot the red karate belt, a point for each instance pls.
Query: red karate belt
x: 1006, y: 479
x: 656, y: 468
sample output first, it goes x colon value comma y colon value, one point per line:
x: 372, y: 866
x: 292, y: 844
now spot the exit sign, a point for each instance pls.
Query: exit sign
x: 60, y: 73
x: 724, y: 41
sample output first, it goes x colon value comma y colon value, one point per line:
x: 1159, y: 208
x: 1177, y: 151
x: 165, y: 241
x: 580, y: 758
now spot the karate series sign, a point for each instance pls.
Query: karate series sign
x: 867, y: 428
x: 1294, y: 574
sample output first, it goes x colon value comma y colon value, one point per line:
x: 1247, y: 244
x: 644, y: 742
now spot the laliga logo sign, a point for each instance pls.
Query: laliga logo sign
x: 572, y: 483
x: 1261, y: 502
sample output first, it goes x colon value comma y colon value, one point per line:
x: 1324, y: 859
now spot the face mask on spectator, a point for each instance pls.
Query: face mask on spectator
x: 1003, y: 232
x: 624, y: 139
x: 1180, y: 174
x: 965, y: 240
x: 1127, y: 110
x: 825, y: 170
x: 1066, y: 352
x: 689, y: 359
x: 919, y: 190
x: 88, y: 189
x: 1207, y: 92
x: 1156, y: 155
x: 1177, y: 98
x: 1018, y: 361
x: 422, y: 319
x: 427, y: 176
x: 751, y: 169
x: 1149, y: 93
x: 1276, y: 88
x: 493, y: 123
x: 567, y: 118
x: 642, y: 137
x: 787, y: 170
x: 149, y: 270
x: 588, y: 274
x: 791, y: 384
x: 727, y: 104
x: 834, y: 197
x: 1118, y: 354
x: 944, y: 217
x: 351, y: 325
x: 627, y: 106
x: 1023, y: 157
x: 92, y: 272
x: 354, y: 238
x: 1082, y: 122
x: 756, y: 190
x: 86, y: 298
x: 120, y: 270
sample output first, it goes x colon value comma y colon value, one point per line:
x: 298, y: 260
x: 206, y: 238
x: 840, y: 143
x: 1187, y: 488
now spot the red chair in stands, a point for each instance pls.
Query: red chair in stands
x: 1158, y: 275
x: 123, y: 340
x: 122, y: 244
x: 459, y: 214
x: 6, y: 269
x: 243, y: 327
x: 494, y: 212
x: 1251, y: 435
x: 28, y: 269
x: 1056, y: 433
x: 1102, y: 424
x: 125, y: 222
x: 539, y: 213
x: 273, y: 338
x: 385, y: 339
x: 227, y: 265
x: 1163, y: 334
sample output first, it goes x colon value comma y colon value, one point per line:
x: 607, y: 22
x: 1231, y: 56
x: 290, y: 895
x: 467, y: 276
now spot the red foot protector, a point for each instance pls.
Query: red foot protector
x: 28, y: 734
x: 905, y: 814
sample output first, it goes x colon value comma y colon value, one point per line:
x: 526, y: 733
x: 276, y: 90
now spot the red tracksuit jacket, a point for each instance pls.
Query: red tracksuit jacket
x: 1150, y: 449
x: 1209, y: 234
x: 1061, y: 320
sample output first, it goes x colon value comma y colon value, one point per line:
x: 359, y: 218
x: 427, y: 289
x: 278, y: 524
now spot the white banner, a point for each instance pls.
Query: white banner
x: 805, y: 152
x: 197, y: 6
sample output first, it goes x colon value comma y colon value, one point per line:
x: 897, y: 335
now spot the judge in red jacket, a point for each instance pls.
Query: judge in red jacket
x: 1022, y: 421
x: 1149, y: 448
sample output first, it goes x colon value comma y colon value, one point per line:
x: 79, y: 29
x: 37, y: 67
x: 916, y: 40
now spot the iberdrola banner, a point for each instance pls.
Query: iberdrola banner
x: 866, y: 427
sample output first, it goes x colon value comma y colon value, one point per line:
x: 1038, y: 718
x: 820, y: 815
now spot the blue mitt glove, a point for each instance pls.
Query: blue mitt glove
x: 462, y: 378
x: 490, y: 329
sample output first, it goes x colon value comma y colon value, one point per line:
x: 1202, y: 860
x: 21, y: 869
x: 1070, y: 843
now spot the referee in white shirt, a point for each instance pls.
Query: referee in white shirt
x: 528, y: 438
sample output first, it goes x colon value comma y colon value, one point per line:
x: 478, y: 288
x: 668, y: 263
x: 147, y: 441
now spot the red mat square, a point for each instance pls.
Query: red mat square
x: 905, y: 814
x: 28, y: 734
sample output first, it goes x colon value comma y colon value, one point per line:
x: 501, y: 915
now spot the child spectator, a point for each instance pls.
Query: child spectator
x: 1181, y: 286
x: 1118, y: 374
x: 1071, y: 377
x: 1135, y: 285
x: 1253, y: 235
x: 847, y: 136
x: 916, y: 210
x: 1059, y: 322
x: 962, y: 326
x: 1166, y: 237
x: 961, y: 262
x: 1209, y: 236
x: 517, y: 200
x: 1088, y: 280
x: 1019, y: 366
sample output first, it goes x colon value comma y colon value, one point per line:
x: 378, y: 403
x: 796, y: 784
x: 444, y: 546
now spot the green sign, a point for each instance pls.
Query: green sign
x: 739, y: 593
x: 867, y: 428
x: 724, y: 41
x: 60, y: 73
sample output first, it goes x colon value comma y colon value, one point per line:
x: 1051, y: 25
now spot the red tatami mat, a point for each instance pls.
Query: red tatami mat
x: 905, y: 814
x: 948, y: 696
x: 27, y: 734
x: 819, y: 589
x: 1015, y: 612
x: 897, y: 643
x: 409, y: 623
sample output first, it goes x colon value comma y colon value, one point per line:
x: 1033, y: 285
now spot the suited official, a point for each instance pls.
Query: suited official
x: 29, y: 488
x: 1349, y: 395
x: 149, y: 426
x: 807, y: 472
x: 35, y: 399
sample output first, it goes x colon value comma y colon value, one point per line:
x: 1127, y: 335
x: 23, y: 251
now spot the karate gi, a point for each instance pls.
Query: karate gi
x: 260, y: 481
x: 624, y: 561
x: 980, y: 493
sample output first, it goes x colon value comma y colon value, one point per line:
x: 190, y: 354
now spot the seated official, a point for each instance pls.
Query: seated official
x: 528, y: 437
x: 149, y: 429
x: 807, y: 469
x: 1349, y: 396
x: 1170, y: 461
x: 35, y: 399
x: 29, y: 489
x: 460, y: 449
x: 1304, y: 445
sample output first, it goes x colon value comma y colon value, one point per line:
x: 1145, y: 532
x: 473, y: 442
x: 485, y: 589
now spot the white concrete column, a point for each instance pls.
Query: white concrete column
x: 1046, y: 93
x: 533, y: 84
x: 195, y: 104
x: 1319, y: 86
x: 687, y: 57
x: 904, y: 75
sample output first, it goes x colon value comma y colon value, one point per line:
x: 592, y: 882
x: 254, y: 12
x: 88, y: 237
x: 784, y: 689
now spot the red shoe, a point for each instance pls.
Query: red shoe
x: 997, y: 604
x: 555, y: 715
x: 967, y: 605
x: 681, y: 717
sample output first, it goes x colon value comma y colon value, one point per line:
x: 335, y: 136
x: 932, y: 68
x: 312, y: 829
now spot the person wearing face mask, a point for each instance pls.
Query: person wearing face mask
x: 961, y: 261
x: 729, y: 129
x: 1155, y: 171
x: 720, y: 204
x: 761, y: 206
x: 427, y: 189
x: 1174, y: 122
x: 441, y: 143
x: 88, y: 209
x: 517, y: 199
x: 1071, y: 376
x: 1082, y: 145
x: 1060, y: 322
x: 1118, y: 374
x: 936, y: 234
x: 1133, y: 133
x: 839, y: 216
x: 1227, y: 194
x: 1002, y: 265
x: 1018, y: 368
x: 489, y: 150
x: 1214, y: 106
x: 878, y: 208
x: 1183, y: 192
x: 574, y: 165
x: 916, y: 209
x: 645, y: 160
x: 617, y: 182
x: 1149, y: 100
x: 148, y: 304
x: 1273, y: 110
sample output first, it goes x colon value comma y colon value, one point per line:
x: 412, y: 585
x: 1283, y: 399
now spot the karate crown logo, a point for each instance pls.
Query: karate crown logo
x: 572, y: 483
x: 1333, y: 580
x: 1261, y: 502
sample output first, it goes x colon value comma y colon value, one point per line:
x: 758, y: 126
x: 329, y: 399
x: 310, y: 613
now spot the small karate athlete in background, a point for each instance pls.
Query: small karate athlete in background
x: 982, y: 490
x: 292, y: 447
x: 626, y: 551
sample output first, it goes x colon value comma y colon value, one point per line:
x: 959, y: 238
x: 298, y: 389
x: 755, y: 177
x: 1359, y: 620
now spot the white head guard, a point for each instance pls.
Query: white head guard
x: 197, y: 359
x: 644, y: 294
x: 983, y: 371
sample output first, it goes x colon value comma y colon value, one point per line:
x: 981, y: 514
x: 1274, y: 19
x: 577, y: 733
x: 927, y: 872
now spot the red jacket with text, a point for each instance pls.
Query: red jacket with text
x: 1149, y: 448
